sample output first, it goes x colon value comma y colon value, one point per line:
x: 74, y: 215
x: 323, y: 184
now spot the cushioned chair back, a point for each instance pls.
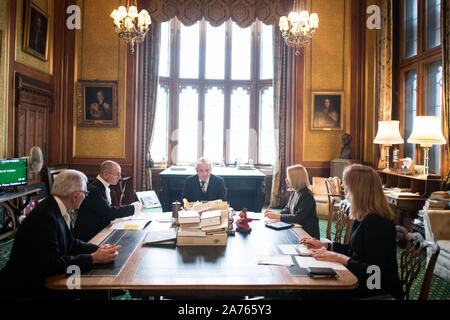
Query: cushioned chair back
x: 411, y: 261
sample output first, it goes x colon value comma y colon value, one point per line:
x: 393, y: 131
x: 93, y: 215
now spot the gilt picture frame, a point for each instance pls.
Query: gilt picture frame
x: 36, y: 31
x: 327, y: 110
x: 97, y: 104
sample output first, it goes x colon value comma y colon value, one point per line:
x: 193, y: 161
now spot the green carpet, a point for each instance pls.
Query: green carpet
x: 440, y: 288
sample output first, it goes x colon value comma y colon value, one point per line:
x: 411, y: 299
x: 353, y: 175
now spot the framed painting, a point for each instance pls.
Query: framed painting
x: 35, y: 38
x: 326, y: 112
x: 97, y: 104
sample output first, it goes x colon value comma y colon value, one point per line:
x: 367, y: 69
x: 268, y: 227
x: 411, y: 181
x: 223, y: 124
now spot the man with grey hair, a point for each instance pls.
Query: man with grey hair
x: 204, y: 186
x: 44, y: 244
x: 97, y: 212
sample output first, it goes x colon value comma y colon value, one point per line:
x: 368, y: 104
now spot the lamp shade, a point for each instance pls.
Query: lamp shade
x: 388, y: 133
x: 427, y: 131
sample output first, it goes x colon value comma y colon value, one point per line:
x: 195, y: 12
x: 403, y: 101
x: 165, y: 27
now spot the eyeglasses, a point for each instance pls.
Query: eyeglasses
x: 85, y: 193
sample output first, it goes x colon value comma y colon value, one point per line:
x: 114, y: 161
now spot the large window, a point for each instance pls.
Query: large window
x: 215, y: 96
x: 420, y: 70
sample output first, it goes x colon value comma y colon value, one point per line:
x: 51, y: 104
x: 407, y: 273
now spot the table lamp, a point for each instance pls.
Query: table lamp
x: 427, y: 132
x: 388, y: 134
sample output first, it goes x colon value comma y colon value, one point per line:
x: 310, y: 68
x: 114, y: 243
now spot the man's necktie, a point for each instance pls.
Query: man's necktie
x: 67, y: 219
x: 202, y: 185
x: 108, y: 195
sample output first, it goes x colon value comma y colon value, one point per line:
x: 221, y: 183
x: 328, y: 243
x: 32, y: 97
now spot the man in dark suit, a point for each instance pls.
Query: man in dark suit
x: 203, y: 186
x: 44, y: 244
x: 96, y: 211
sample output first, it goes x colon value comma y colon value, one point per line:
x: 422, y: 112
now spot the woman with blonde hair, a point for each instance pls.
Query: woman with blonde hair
x: 372, y: 245
x: 301, y: 207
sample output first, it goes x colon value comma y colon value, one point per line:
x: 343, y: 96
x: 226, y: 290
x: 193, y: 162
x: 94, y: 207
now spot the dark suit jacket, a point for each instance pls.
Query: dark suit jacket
x: 193, y: 192
x: 304, y: 212
x: 43, y: 246
x: 95, y: 213
x: 373, y: 242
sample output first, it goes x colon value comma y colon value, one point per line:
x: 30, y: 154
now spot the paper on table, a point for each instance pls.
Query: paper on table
x: 278, y: 260
x: 304, y: 262
x: 130, y: 225
x: 295, y: 249
x: 255, y: 215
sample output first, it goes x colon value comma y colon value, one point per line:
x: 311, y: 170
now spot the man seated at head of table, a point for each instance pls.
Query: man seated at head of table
x: 97, y: 212
x: 301, y: 207
x: 204, y: 186
x: 44, y: 244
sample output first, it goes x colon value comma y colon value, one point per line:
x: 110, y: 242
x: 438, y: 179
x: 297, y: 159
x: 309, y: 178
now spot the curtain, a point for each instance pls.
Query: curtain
x: 279, y: 102
x: 150, y: 90
x: 445, y: 40
x: 216, y: 12
x: 384, y: 69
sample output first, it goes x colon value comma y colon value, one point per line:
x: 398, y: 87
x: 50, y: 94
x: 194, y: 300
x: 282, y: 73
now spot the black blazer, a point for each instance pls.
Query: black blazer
x: 304, y: 212
x: 373, y: 242
x: 43, y: 246
x: 193, y: 192
x: 95, y: 213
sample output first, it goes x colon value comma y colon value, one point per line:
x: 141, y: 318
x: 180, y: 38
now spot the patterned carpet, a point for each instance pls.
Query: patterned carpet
x: 440, y: 288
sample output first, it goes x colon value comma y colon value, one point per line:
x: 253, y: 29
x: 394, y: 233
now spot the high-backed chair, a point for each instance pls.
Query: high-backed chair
x: 343, y: 223
x: 335, y: 196
x: 411, y: 260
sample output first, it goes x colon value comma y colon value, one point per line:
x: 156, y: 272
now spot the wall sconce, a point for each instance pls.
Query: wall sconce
x: 388, y: 134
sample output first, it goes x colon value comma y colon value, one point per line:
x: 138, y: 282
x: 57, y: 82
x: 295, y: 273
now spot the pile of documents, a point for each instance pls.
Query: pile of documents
x: 437, y: 201
x: 203, y: 224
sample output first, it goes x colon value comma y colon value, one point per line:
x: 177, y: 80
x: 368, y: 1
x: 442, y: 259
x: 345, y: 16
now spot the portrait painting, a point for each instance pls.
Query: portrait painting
x: 97, y: 104
x: 36, y: 31
x: 326, y: 113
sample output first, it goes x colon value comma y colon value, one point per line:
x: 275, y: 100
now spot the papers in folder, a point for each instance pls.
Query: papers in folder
x: 308, y: 262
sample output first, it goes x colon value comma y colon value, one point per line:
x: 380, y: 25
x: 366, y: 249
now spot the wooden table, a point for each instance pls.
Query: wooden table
x: 197, y: 271
x: 245, y: 188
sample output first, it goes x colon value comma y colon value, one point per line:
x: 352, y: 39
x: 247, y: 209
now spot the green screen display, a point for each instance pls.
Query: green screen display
x: 13, y: 172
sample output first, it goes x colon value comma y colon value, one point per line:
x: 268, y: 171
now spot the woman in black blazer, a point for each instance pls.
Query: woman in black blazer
x: 371, y: 252
x: 301, y: 207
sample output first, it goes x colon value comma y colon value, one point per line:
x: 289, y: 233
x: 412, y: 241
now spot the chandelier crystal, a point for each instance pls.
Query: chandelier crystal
x: 131, y: 25
x: 298, y: 27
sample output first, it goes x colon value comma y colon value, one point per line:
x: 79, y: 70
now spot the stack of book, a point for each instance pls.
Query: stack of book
x: 437, y: 201
x: 189, y: 224
x: 204, y: 224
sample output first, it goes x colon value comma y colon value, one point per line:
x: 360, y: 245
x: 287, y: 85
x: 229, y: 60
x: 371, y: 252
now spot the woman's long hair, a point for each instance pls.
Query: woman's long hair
x: 365, y: 192
x: 298, y: 177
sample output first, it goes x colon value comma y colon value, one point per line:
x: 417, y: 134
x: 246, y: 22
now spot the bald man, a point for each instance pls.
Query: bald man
x: 96, y: 211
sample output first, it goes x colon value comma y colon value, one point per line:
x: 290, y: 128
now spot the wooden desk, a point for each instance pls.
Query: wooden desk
x: 406, y: 208
x: 197, y: 271
x: 245, y: 188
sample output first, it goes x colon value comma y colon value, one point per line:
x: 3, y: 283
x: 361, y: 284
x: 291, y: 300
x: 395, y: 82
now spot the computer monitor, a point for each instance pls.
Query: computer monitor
x: 13, y: 172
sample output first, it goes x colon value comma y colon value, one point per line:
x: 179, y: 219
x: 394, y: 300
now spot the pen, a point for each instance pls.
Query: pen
x: 303, y: 239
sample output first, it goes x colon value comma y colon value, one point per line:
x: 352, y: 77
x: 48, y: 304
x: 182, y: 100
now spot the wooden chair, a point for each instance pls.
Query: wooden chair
x: 343, y: 223
x: 411, y: 260
x: 335, y: 196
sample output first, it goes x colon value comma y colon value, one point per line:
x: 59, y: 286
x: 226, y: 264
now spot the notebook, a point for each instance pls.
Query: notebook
x: 161, y: 237
x: 279, y: 225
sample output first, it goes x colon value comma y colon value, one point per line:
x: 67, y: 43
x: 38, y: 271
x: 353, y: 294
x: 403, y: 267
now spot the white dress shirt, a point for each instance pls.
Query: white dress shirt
x: 205, y: 185
x: 107, y: 190
x: 63, y: 210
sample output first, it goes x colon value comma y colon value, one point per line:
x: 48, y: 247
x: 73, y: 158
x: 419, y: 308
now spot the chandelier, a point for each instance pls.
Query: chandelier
x: 298, y: 27
x: 131, y: 25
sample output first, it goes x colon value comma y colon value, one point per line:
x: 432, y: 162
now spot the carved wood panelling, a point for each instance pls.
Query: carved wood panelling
x: 33, y: 105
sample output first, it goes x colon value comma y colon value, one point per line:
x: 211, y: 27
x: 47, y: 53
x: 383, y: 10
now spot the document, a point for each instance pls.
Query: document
x: 255, y: 215
x: 130, y: 225
x: 308, y: 262
x: 277, y: 260
x: 295, y: 249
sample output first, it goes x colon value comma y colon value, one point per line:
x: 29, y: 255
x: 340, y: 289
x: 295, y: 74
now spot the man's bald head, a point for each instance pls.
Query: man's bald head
x: 110, y: 171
